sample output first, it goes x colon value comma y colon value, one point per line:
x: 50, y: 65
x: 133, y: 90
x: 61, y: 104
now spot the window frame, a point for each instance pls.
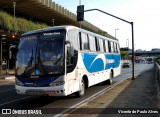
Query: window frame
x: 84, y: 40
x: 92, y: 43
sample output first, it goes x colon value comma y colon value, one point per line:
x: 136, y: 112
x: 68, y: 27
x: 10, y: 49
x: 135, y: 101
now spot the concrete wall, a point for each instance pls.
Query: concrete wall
x: 157, y: 68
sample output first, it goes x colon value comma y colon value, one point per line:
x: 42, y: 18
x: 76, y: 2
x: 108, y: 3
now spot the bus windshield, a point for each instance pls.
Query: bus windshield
x: 41, y: 54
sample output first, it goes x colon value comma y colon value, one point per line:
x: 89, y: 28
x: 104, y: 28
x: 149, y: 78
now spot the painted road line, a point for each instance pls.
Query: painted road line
x: 6, y: 90
x: 15, y: 100
x: 82, y: 103
x: 10, y: 83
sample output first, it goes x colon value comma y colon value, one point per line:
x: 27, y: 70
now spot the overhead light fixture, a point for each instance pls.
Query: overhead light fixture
x: 13, y: 36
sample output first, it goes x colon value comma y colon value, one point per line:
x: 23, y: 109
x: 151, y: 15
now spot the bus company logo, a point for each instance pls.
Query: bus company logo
x: 54, y: 33
x: 34, y: 76
x: 6, y: 111
x: 110, y: 60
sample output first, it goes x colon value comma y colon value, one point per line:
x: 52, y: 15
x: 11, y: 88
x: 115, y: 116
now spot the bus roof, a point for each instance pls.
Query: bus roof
x: 47, y: 29
x: 67, y: 27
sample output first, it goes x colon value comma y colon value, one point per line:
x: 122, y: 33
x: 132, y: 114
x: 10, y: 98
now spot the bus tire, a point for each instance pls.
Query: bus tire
x: 81, y: 92
x: 110, y: 79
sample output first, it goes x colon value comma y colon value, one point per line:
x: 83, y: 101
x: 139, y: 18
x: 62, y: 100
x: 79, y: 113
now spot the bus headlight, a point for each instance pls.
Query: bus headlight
x: 58, y: 83
x: 19, y: 83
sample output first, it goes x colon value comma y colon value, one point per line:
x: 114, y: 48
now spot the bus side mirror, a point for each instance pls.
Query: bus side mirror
x: 70, y: 47
x: 68, y: 42
x: 12, y: 50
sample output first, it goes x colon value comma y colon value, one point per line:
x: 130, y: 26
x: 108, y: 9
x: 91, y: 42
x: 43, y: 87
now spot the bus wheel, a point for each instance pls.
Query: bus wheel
x: 109, y: 81
x: 81, y: 92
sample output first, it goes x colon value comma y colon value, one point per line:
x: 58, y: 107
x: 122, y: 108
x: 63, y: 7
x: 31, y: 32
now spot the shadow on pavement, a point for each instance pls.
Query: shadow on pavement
x: 138, y: 98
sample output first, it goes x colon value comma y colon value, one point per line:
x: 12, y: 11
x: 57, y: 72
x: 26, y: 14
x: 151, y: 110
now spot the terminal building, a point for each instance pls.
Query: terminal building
x: 19, y: 16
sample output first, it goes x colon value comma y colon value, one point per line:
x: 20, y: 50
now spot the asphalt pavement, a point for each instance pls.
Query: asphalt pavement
x: 5, y: 75
x: 131, y: 98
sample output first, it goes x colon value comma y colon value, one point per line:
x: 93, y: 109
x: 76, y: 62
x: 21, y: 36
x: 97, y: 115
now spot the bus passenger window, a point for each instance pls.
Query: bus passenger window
x: 101, y: 45
x: 84, y: 42
x: 92, y: 43
x: 106, y: 46
x: 80, y: 41
x: 116, y: 49
x: 97, y: 44
x: 112, y: 47
x: 109, y: 46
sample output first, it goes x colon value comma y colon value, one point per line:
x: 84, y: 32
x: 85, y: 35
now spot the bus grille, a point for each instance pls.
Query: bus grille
x: 35, y: 92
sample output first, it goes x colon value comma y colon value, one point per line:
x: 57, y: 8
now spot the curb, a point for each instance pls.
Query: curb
x: 10, y: 77
x: 82, y: 103
x: 2, y: 77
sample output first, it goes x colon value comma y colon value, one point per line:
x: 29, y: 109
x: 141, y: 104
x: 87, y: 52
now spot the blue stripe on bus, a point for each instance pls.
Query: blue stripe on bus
x: 39, y: 82
x: 98, y: 62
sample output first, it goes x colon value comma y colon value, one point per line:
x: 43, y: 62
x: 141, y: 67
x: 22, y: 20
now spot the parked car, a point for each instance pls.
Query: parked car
x: 126, y: 65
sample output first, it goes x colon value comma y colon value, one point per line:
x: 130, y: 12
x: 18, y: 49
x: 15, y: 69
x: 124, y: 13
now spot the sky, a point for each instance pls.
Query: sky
x: 143, y: 13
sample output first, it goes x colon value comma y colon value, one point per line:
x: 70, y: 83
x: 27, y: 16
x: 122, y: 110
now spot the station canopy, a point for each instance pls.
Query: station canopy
x: 43, y: 12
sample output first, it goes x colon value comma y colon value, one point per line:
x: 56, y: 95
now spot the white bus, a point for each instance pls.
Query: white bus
x: 62, y: 60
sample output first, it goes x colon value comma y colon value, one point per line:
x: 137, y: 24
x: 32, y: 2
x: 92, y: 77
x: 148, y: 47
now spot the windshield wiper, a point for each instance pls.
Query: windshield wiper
x: 29, y: 63
x: 58, y: 60
x: 40, y: 63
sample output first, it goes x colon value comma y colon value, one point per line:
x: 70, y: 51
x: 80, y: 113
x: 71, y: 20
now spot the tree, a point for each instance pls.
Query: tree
x: 124, y: 54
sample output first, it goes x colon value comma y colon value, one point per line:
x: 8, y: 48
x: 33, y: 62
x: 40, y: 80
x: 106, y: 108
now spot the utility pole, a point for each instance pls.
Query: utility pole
x: 80, y: 5
x: 127, y: 43
x: 1, y: 55
x: 79, y: 2
x: 2, y: 37
x: 116, y: 32
x: 14, y: 7
x: 53, y: 21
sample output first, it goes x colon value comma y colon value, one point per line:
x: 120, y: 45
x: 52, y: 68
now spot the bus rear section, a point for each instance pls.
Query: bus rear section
x: 99, y: 58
